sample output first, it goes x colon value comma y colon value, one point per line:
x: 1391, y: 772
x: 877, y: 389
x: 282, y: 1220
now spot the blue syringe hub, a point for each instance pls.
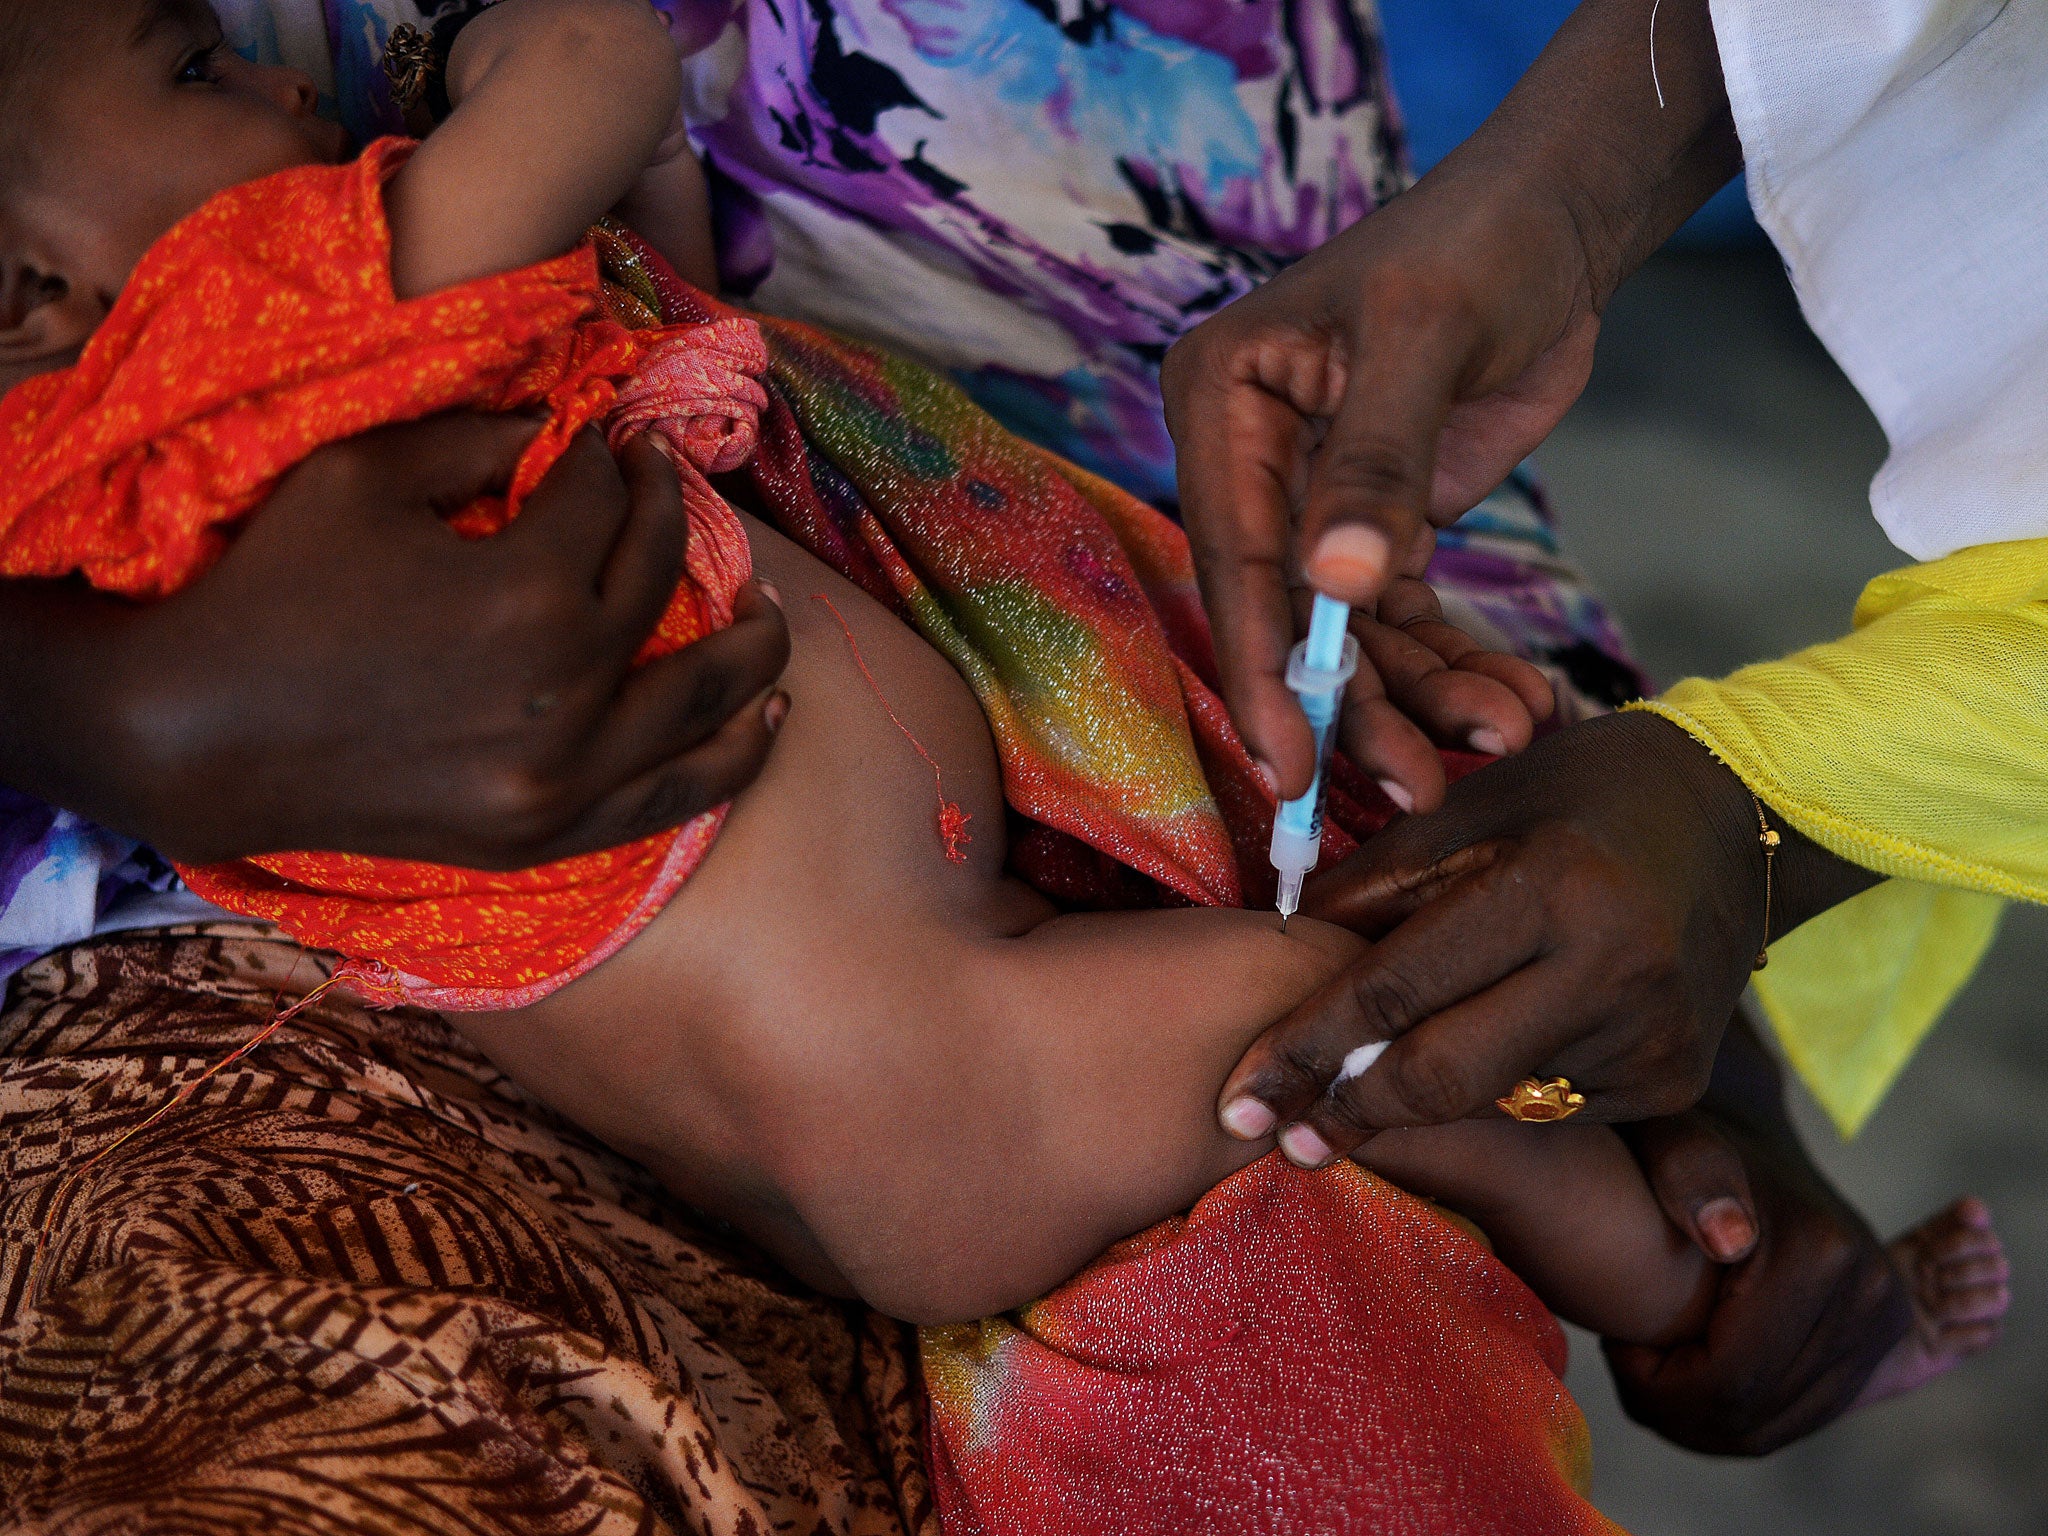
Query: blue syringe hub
x: 1317, y: 671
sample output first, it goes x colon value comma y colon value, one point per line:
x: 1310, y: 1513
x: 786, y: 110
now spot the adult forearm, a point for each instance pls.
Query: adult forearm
x: 1635, y: 137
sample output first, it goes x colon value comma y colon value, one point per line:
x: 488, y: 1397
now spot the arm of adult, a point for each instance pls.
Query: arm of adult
x: 1386, y: 383
x: 353, y: 676
x: 1809, y: 1302
x: 1592, y: 908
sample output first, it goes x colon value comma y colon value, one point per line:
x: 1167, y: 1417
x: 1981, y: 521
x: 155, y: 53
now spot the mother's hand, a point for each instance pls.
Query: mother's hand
x: 353, y: 676
x: 1590, y: 909
x: 1809, y: 1303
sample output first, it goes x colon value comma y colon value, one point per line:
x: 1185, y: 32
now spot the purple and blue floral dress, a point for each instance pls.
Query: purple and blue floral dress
x: 1038, y: 196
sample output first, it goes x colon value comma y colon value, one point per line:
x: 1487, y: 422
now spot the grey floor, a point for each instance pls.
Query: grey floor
x: 1714, y: 481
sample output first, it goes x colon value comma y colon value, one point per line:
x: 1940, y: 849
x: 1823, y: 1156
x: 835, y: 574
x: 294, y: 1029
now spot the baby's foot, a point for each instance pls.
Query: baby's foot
x: 1955, y: 1270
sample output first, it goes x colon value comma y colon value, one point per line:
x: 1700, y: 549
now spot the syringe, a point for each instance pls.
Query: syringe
x: 1317, y: 671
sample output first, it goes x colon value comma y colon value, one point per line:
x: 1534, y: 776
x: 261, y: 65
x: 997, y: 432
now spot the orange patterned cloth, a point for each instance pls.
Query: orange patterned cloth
x: 264, y: 327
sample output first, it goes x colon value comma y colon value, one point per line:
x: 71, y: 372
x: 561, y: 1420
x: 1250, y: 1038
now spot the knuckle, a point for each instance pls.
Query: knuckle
x: 1375, y: 470
x: 708, y: 695
x: 675, y: 798
x: 1341, y: 1111
x: 1433, y: 1087
x: 520, y: 809
x: 1385, y: 999
x: 1298, y: 1066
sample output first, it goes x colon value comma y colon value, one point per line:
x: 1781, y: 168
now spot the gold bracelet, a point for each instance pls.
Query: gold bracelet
x: 1769, y: 839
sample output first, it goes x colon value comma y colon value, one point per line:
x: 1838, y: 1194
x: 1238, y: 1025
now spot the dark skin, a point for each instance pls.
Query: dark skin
x: 352, y: 675
x: 472, y: 705
x: 1382, y: 386
x: 1592, y: 908
x: 1542, y: 880
x: 226, y: 727
x: 1806, y: 1312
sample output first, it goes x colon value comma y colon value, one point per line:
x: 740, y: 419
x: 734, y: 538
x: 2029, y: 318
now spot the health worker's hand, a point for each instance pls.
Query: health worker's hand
x: 1420, y: 680
x: 353, y: 676
x: 1329, y: 421
x: 1590, y: 909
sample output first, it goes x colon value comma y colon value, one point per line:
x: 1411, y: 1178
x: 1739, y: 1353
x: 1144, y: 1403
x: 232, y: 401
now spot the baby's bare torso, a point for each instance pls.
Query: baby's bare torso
x: 832, y: 1020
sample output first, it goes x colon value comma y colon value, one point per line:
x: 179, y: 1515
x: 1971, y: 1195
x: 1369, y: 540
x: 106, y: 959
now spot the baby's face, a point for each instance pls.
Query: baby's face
x: 141, y: 114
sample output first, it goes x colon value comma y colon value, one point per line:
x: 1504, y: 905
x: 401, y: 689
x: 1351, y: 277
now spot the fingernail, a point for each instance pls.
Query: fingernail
x: 1272, y: 779
x: 770, y: 591
x: 1728, y: 1229
x: 1304, y: 1148
x: 1488, y: 740
x: 1396, y: 793
x: 1247, y: 1119
x: 776, y: 712
x: 1351, y: 562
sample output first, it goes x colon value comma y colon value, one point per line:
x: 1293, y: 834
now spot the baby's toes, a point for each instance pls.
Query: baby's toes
x: 1959, y: 1231
x: 1966, y: 1223
x: 1972, y: 1267
x: 1964, y: 1303
x: 1959, y: 1341
x: 1955, y: 1269
x: 1961, y: 1276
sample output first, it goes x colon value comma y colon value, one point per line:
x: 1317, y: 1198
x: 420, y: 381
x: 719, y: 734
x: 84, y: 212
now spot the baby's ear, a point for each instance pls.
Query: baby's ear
x: 45, y: 318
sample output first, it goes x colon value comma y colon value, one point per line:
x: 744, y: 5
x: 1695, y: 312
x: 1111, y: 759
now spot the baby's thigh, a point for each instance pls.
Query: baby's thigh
x: 1128, y: 1023
x: 964, y: 1122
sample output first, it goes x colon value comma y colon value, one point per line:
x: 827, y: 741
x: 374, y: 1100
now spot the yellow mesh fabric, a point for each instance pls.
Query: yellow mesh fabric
x: 1916, y: 746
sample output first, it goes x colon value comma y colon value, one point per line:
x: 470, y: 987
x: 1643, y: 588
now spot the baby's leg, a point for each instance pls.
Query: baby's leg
x: 1567, y: 1208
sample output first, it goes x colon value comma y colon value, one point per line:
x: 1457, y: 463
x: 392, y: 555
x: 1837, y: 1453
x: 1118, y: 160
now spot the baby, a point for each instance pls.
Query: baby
x: 903, y: 1070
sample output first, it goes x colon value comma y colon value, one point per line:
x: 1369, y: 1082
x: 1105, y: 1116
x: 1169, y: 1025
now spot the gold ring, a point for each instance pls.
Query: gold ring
x: 1538, y: 1103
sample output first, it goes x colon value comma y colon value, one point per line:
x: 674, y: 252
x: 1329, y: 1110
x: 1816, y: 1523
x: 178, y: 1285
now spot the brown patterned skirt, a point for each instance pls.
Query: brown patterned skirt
x: 360, y: 1282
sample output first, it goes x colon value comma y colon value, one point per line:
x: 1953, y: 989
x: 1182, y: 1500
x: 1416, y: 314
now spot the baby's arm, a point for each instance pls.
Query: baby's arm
x: 559, y: 108
x: 670, y: 208
x: 1130, y: 1011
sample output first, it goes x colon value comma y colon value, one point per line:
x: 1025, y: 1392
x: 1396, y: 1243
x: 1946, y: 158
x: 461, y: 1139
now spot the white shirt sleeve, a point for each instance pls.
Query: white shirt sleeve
x: 1898, y: 156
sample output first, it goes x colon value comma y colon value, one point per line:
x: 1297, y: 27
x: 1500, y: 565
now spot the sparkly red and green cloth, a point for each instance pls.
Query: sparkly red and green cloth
x: 1300, y: 1352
